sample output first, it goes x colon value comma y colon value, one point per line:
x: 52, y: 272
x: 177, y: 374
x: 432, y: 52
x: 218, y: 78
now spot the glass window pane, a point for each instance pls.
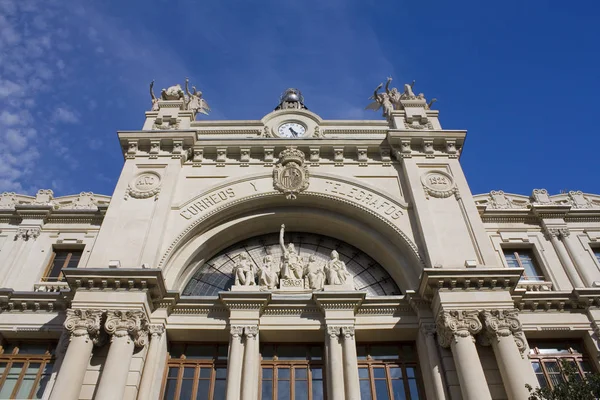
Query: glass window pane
x: 283, y: 373
x: 11, y: 380
x: 170, y: 387
x: 205, y: 372
x: 317, y: 390
x: 267, y: 373
x: 176, y: 350
x: 365, y: 390
x: 537, y: 368
x: 222, y: 352
x: 398, y: 390
x: 300, y: 373
x: 381, y: 390
x: 291, y: 352
x: 188, y: 372
x: 552, y: 366
x: 317, y: 373
x: 301, y: 390
x: 267, y: 352
x: 220, y: 388
x: 378, y: 373
x: 203, y: 390
x: 25, y: 387
x: 395, y: 372
x: 410, y: 372
x: 316, y: 353
x: 186, y: 389
x: 39, y: 391
x: 221, y: 373
x: 384, y: 352
x: 283, y: 390
x: 413, y: 389
x: 267, y: 390
x: 173, y: 372
x: 542, y: 380
x: 203, y: 352
x: 33, y: 348
x: 361, y: 352
x: 75, y: 257
x: 363, y: 373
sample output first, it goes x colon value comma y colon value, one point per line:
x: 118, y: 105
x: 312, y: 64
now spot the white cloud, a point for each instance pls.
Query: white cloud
x: 62, y: 114
x: 7, y: 118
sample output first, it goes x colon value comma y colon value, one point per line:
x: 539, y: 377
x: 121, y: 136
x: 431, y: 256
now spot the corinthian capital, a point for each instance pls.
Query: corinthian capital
x: 251, y: 331
x: 156, y: 330
x: 503, y: 323
x: 348, y: 332
x: 84, y: 323
x: 454, y: 324
x: 236, y: 331
x: 333, y: 331
x: 132, y: 324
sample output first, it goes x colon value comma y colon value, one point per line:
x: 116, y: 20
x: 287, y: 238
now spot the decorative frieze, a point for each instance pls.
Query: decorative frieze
x: 132, y: 324
x: 27, y: 233
x: 86, y: 323
x: 455, y: 324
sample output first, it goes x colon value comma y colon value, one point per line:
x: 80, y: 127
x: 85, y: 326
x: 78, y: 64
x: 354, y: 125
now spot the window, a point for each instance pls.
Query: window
x: 292, y: 372
x: 196, y: 371
x: 523, y: 258
x: 388, y: 372
x: 25, y: 369
x: 547, y: 357
x: 61, y: 258
x: 596, y: 251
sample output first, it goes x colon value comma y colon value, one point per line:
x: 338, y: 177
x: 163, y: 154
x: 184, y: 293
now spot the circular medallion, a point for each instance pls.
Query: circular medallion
x: 291, y: 130
x: 146, y: 184
x: 438, y: 184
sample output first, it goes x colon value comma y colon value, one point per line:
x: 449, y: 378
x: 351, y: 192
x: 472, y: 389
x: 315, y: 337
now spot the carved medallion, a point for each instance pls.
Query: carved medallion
x: 438, y: 184
x: 290, y: 174
x: 143, y: 186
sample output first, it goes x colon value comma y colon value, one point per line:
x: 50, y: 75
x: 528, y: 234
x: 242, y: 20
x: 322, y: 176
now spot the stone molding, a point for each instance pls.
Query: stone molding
x: 86, y: 323
x: 132, y: 324
x: 504, y: 323
x: 454, y: 324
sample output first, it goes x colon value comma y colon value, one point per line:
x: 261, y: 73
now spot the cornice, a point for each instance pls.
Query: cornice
x: 578, y: 299
x: 149, y: 281
x: 15, y: 301
x: 468, y: 279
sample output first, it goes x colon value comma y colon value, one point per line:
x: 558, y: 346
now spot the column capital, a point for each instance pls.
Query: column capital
x: 236, y: 331
x: 557, y: 232
x: 132, y: 324
x: 156, y: 330
x: 82, y: 322
x: 504, y: 323
x: 348, y: 331
x: 428, y: 329
x: 333, y: 331
x: 457, y: 323
x: 251, y: 331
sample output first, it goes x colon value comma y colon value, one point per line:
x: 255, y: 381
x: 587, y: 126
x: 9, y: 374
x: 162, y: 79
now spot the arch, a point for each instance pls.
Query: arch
x: 263, y: 212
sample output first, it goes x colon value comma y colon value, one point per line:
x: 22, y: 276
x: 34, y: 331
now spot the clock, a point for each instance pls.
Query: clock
x: 291, y: 130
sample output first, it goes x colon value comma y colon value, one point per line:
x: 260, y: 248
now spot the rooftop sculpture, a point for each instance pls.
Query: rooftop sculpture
x: 392, y: 98
x: 192, y: 101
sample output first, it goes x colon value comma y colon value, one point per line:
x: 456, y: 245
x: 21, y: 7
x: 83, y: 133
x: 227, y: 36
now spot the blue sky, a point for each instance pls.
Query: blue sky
x: 521, y: 76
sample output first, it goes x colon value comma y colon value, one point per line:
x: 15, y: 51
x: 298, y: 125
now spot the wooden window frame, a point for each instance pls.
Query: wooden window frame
x: 275, y: 364
x: 534, y: 260
x: 372, y: 363
x: 26, y: 359
x: 573, y: 355
x: 60, y: 277
x: 197, y: 363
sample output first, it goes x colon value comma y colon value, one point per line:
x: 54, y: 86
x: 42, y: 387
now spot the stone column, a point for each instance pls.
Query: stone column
x: 429, y: 356
x: 456, y: 330
x: 334, y: 364
x: 251, y: 364
x: 563, y: 255
x: 505, y: 334
x: 571, y: 245
x: 127, y: 329
x: 352, y: 385
x: 84, y: 328
x: 156, y: 332
x: 234, y: 363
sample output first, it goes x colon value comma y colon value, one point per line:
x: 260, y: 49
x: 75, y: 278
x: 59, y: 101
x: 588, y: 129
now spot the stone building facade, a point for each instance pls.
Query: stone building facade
x: 293, y: 257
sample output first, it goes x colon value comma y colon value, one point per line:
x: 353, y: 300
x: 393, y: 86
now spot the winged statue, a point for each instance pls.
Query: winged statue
x: 381, y: 100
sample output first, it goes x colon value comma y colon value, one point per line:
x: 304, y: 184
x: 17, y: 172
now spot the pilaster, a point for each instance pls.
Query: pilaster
x: 152, y: 374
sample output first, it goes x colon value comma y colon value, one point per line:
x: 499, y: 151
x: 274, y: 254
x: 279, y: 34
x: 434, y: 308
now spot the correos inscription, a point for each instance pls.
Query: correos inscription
x: 206, y: 202
x: 374, y: 202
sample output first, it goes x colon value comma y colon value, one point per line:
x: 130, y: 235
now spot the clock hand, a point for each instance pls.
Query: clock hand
x: 293, y: 132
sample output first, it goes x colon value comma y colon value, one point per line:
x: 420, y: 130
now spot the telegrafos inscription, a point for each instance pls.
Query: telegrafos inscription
x: 207, y: 202
x: 372, y: 201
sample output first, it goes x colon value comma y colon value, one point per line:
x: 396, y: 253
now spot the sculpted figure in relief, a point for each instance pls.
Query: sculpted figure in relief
x: 244, y: 271
x: 195, y: 102
x: 314, y: 274
x: 267, y: 275
x: 336, y: 271
x: 291, y: 266
x: 154, y: 99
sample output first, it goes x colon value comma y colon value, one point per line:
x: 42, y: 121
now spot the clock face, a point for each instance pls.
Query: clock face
x: 291, y: 130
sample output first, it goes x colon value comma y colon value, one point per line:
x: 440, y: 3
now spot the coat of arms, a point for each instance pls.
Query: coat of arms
x: 290, y: 174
